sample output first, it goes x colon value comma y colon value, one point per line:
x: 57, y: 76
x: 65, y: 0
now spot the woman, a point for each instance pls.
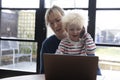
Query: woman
x: 53, y: 18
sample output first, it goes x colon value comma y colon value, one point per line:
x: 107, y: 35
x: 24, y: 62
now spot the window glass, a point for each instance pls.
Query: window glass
x: 108, y: 4
x: 18, y: 23
x: 109, y: 58
x: 67, y: 3
x: 15, y: 55
x: 20, y: 3
x: 107, y: 27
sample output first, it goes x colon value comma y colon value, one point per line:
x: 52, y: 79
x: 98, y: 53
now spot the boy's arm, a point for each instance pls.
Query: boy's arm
x: 89, y: 44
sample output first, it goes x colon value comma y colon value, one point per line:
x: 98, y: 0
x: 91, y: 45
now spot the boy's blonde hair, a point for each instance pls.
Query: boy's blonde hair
x: 54, y: 10
x: 72, y: 18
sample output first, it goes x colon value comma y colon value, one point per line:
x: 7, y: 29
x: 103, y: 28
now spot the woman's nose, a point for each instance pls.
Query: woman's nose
x: 55, y: 24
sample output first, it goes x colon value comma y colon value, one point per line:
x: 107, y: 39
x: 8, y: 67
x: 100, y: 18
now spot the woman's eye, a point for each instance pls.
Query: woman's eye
x: 58, y: 20
x: 51, y: 23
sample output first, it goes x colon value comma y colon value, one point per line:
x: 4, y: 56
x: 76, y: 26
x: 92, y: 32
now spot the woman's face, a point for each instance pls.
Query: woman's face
x: 74, y: 32
x: 56, y: 24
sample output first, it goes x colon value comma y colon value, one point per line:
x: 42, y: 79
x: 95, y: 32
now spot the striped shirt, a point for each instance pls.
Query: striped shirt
x: 85, y: 45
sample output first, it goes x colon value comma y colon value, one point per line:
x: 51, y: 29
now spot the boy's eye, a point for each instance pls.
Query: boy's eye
x: 71, y: 29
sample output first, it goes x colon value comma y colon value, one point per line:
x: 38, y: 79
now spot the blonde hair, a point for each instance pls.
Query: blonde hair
x: 72, y: 18
x: 54, y: 10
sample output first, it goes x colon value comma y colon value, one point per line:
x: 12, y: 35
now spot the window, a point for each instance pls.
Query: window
x: 107, y: 35
x: 67, y: 3
x: 17, y: 35
x: 18, y: 23
x: 20, y: 3
x: 107, y: 29
x: 16, y: 55
x: 108, y: 4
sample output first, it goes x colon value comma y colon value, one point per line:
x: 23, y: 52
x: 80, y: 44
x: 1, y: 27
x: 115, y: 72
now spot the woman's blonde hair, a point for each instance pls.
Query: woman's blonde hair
x: 54, y: 10
x: 72, y: 18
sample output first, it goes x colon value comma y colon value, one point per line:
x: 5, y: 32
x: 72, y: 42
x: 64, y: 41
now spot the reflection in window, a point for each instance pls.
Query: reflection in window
x: 67, y: 3
x: 20, y: 3
x: 15, y: 55
x: 18, y: 23
x: 108, y: 3
x: 108, y: 29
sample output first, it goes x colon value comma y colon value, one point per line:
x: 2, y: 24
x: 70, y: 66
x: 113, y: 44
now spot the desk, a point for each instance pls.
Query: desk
x: 26, y: 77
x: 35, y: 77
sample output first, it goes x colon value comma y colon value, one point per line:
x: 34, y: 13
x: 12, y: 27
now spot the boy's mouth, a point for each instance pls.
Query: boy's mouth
x: 74, y: 35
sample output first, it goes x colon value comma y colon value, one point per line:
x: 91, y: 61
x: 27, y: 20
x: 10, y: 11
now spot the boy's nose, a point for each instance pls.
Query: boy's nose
x: 75, y: 31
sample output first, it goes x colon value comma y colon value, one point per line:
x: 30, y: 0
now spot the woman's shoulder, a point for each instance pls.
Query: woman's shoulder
x: 51, y: 39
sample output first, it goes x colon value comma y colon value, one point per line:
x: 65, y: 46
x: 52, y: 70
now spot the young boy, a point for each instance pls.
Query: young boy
x: 78, y: 42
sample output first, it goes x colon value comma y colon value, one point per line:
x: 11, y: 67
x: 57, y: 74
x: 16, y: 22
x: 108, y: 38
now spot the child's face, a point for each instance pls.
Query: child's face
x: 74, y: 32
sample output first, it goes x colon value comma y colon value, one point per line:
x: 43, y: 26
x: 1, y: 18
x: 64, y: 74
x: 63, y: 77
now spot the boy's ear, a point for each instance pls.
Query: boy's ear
x: 82, y: 32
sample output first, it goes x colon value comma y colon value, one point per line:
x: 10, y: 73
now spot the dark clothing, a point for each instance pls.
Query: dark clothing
x: 50, y: 45
x: 98, y: 70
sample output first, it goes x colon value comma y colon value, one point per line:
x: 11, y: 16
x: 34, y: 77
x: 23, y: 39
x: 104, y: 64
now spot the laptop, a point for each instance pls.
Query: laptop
x: 70, y: 67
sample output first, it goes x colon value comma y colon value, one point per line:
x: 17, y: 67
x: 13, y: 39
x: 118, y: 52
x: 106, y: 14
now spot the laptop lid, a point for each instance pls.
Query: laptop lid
x: 70, y: 67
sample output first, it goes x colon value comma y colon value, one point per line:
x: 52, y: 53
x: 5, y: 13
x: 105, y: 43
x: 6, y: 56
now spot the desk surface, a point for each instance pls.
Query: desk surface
x: 26, y: 77
x: 36, y: 77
